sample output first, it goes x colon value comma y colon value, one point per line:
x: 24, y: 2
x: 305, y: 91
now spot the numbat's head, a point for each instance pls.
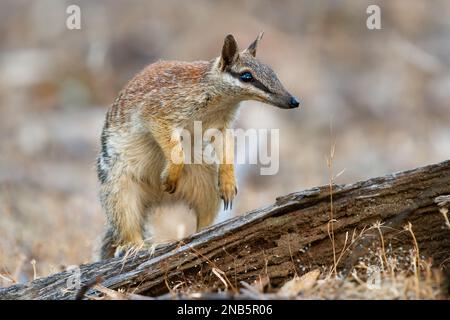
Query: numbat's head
x: 249, y: 79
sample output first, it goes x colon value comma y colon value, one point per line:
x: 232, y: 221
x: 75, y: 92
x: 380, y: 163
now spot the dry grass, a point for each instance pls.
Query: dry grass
x: 44, y: 233
x: 381, y: 275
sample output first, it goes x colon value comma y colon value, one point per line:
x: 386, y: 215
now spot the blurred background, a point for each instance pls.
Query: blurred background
x: 382, y: 97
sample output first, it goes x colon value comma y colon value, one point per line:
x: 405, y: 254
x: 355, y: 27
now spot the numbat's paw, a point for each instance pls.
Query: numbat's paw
x: 227, y: 191
x: 170, y: 177
x: 125, y: 250
x: 131, y: 249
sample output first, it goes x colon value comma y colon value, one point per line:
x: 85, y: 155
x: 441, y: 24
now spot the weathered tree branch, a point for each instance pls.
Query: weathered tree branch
x: 290, y: 236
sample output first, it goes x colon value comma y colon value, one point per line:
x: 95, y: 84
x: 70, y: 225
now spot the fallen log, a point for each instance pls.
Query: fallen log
x: 290, y: 237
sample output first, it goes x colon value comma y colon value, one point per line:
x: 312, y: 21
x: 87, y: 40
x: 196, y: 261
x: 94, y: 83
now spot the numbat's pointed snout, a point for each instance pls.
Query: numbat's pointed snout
x: 293, y: 103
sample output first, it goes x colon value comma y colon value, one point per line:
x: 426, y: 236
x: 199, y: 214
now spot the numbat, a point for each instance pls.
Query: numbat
x: 139, y: 179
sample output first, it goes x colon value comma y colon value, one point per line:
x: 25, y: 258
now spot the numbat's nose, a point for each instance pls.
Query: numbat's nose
x: 293, y: 103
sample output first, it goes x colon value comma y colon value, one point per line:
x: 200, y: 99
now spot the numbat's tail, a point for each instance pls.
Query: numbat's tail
x: 169, y: 222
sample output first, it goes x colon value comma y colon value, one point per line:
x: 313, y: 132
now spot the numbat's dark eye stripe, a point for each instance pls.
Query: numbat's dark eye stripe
x: 246, y: 77
x: 255, y: 82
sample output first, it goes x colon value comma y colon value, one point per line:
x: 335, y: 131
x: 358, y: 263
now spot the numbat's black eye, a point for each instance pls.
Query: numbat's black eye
x: 246, y: 76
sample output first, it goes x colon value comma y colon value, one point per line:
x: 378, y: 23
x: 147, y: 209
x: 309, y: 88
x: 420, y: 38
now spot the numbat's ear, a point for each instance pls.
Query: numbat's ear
x: 230, y: 52
x: 254, y: 45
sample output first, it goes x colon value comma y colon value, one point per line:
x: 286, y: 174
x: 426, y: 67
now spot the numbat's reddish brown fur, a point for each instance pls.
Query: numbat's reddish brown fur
x: 137, y: 174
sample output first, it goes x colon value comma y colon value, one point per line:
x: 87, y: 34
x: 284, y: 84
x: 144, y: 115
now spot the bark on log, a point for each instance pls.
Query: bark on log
x: 276, y: 241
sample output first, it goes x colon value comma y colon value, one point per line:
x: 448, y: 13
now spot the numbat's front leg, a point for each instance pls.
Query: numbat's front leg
x: 172, y: 148
x: 227, y: 185
x: 227, y: 181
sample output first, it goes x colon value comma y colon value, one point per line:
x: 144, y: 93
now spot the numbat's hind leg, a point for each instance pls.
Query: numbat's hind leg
x: 122, y: 199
